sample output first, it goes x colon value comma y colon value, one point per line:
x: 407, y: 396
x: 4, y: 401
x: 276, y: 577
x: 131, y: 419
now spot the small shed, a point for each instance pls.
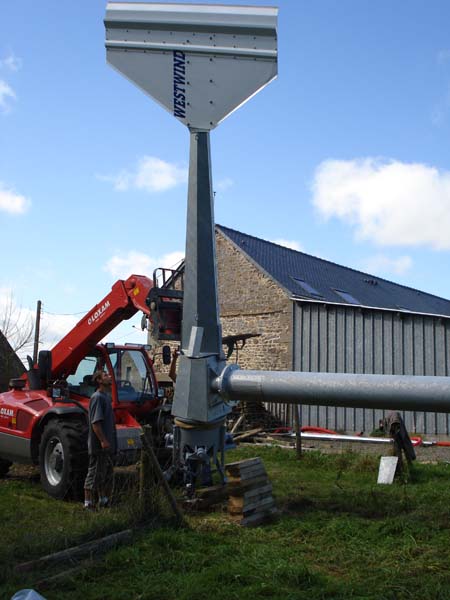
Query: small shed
x: 10, y: 364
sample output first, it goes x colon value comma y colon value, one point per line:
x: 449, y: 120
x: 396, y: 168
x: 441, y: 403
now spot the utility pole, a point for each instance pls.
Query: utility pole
x: 37, y: 327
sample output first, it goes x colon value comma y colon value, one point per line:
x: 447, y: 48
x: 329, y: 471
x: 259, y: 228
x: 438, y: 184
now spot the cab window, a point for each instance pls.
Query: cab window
x: 81, y: 382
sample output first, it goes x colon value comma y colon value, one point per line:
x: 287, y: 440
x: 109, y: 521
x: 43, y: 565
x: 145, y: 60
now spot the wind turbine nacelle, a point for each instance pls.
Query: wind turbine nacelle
x: 200, y: 62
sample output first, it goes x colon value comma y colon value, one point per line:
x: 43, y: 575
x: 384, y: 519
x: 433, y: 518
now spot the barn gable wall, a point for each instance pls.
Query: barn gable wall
x: 251, y: 302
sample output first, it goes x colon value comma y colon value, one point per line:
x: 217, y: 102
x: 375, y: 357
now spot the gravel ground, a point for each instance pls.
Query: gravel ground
x: 424, y: 454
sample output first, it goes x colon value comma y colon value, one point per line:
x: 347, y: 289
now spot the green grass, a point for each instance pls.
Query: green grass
x: 339, y: 536
x: 33, y: 524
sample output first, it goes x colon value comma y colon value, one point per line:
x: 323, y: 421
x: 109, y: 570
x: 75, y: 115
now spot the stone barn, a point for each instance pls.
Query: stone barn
x: 314, y: 315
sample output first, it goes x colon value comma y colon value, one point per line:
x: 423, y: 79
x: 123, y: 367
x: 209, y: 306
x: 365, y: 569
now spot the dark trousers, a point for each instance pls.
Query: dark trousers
x: 99, y: 477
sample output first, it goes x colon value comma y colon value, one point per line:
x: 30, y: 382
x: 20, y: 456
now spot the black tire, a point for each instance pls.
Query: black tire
x: 4, y: 467
x: 63, y: 458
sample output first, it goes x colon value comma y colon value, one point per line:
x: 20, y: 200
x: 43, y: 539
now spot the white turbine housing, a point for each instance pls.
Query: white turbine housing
x: 200, y: 62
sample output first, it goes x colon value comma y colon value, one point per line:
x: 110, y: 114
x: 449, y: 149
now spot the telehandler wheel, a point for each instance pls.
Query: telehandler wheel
x: 63, y: 458
x: 4, y: 466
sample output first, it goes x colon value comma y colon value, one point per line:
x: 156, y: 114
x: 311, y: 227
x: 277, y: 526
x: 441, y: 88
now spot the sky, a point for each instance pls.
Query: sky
x: 344, y: 156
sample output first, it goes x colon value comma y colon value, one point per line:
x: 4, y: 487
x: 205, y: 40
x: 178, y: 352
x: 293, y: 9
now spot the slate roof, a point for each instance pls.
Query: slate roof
x: 305, y: 276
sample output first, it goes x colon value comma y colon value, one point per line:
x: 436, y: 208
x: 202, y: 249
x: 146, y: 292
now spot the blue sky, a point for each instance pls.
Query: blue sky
x: 344, y: 156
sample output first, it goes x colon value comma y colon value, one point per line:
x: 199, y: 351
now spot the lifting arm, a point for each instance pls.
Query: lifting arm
x: 124, y: 300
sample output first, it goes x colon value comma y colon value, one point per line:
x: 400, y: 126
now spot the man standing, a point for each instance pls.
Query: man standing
x: 101, y: 443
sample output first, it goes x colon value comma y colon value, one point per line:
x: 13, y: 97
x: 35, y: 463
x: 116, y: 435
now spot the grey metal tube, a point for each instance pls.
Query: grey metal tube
x: 396, y: 392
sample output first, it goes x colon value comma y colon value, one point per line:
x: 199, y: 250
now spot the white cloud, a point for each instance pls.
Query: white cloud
x: 443, y: 56
x: 55, y: 327
x: 6, y: 94
x: 441, y: 109
x: 121, y: 182
x: 152, y: 174
x: 52, y: 327
x: 10, y: 309
x: 381, y: 264
x: 11, y: 62
x: 156, y: 175
x: 121, y: 267
x: 13, y: 203
x: 288, y: 244
x: 387, y: 202
x: 16, y: 323
x: 438, y: 115
x: 223, y: 184
x: 69, y: 289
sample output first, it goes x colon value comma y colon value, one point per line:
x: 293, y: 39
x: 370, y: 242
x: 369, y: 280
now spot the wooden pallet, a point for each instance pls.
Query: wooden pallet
x: 250, y: 500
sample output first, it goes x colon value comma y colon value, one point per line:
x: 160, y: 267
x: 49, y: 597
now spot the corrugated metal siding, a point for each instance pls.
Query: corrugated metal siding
x: 341, y: 339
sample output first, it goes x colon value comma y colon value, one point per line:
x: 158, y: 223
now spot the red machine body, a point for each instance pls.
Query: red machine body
x: 43, y: 417
x: 125, y: 299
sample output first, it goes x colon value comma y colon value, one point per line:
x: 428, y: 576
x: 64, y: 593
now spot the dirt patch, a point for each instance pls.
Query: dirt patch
x: 18, y: 471
x: 424, y: 454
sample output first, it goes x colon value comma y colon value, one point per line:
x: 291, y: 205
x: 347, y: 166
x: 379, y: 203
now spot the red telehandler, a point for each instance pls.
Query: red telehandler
x: 43, y: 416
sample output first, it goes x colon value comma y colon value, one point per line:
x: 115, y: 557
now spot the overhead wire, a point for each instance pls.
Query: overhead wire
x: 83, y: 312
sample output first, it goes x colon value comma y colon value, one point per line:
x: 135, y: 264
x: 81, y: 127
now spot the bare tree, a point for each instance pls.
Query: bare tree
x: 16, y: 324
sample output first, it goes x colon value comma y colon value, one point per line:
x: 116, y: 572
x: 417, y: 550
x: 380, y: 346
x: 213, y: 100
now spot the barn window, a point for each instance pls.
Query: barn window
x: 347, y: 297
x: 307, y: 287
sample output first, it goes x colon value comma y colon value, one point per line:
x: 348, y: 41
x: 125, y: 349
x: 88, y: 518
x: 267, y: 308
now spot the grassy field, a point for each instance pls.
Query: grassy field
x: 339, y: 535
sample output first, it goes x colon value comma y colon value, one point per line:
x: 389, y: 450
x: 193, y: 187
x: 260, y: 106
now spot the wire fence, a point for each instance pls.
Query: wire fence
x: 37, y: 525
